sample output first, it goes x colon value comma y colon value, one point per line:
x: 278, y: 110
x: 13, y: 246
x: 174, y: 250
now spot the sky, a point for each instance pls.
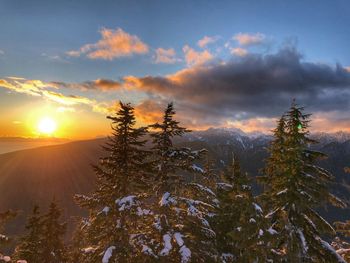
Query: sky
x: 223, y: 63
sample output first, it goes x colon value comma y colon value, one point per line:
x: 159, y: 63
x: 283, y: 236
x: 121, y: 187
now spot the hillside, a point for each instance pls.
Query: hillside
x: 36, y: 176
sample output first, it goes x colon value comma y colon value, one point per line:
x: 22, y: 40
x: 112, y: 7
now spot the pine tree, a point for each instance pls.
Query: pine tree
x: 297, y: 187
x: 116, y: 207
x: 4, y: 239
x: 242, y: 231
x: 31, y: 245
x: 53, y: 231
x: 181, y: 229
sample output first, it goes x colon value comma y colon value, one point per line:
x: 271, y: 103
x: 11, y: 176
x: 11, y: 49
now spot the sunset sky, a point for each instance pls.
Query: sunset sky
x: 222, y: 63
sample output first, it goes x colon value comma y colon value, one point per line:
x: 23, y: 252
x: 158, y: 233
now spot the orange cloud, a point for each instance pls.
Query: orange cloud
x: 254, y: 124
x: 98, y: 84
x: 167, y: 56
x: 149, y: 111
x: 206, y: 40
x: 106, y: 84
x: 113, y: 44
x: 245, y: 39
x: 240, y: 52
x: 330, y: 121
x: 194, y: 57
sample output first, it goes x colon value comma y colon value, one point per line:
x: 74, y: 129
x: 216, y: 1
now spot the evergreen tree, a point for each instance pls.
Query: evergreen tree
x: 242, y: 231
x: 181, y: 229
x: 31, y: 245
x: 275, y: 163
x: 78, y: 251
x: 53, y: 231
x: 116, y: 207
x: 296, y: 187
x: 4, y: 239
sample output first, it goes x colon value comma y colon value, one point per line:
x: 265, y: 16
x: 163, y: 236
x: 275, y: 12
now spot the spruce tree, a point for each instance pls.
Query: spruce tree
x: 31, y: 245
x: 275, y: 163
x: 77, y: 249
x: 116, y: 206
x: 242, y: 231
x: 297, y: 186
x: 53, y: 232
x: 181, y: 229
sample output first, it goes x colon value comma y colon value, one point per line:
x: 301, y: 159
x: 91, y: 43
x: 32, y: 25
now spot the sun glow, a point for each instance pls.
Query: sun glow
x: 47, y: 126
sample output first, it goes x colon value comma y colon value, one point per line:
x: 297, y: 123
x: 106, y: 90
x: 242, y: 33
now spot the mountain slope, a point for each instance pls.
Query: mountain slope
x: 36, y: 176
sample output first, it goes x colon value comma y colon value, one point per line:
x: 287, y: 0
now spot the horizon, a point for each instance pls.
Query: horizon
x: 220, y: 66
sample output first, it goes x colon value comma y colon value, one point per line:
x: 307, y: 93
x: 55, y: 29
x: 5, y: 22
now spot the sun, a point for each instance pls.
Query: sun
x: 47, y: 126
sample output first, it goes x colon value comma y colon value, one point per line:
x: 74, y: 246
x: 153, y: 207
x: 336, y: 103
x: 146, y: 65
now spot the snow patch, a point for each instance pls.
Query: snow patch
x: 282, y: 192
x: 141, y: 212
x: 185, y: 254
x: 196, y: 168
x: 166, y: 199
x: 257, y: 208
x: 127, y: 202
x: 272, y: 231
x: 108, y: 254
x: 167, y: 245
x: 88, y: 250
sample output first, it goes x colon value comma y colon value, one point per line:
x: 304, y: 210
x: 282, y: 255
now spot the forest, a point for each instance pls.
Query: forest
x: 157, y: 202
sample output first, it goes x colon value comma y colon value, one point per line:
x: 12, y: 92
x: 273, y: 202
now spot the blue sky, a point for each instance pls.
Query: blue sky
x: 30, y: 29
x: 149, y: 50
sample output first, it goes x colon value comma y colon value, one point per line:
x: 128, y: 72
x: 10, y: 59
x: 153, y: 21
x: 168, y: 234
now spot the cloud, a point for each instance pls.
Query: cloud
x: 150, y: 111
x: 74, y: 53
x: 206, y: 40
x: 66, y: 99
x: 245, y: 39
x: 99, y: 84
x: 55, y: 58
x: 2, y: 52
x: 42, y: 89
x: 331, y: 121
x: 194, y: 57
x: 250, y: 87
x: 347, y: 69
x: 29, y: 87
x: 113, y: 44
x: 238, y: 51
x: 167, y: 56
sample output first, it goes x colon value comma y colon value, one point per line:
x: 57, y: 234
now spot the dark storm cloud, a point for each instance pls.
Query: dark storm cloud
x: 253, y: 86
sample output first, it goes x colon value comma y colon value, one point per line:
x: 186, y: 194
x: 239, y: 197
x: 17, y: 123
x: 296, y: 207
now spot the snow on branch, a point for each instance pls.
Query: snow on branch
x: 108, y: 254
x: 127, y: 202
x: 167, y: 199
